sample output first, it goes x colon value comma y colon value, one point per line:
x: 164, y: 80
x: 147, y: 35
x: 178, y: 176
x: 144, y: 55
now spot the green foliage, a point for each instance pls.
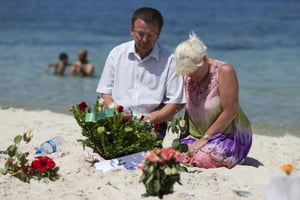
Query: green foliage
x: 52, y: 174
x: 180, y: 127
x: 17, y: 164
x: 180, y: 147
x: 117, y: 135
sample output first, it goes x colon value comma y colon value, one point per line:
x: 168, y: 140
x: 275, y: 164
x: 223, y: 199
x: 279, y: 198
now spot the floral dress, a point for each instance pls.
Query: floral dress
x: 225, y: 149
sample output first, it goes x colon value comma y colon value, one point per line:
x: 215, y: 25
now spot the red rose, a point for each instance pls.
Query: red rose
x: 82, y: 106
x: 119, y: 108
x: 156, y: 126
x: 42, y: 163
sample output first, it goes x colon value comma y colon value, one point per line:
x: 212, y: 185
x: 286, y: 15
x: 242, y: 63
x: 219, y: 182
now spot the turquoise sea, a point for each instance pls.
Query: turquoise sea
x: 260, y: 38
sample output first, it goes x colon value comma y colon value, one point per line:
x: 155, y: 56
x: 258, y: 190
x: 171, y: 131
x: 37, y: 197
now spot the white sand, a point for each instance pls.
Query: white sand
x: 80, y: 180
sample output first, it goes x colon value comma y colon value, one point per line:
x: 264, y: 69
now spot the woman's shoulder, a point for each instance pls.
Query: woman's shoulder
x: 225, y: 67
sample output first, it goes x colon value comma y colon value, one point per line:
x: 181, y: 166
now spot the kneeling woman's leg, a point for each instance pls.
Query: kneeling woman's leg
x: 221, y: 150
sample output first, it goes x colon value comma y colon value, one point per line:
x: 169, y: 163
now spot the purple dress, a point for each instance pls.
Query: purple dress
x: 203, y: 106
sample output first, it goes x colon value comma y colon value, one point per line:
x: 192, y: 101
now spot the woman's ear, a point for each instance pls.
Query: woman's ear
x: 204, y: 57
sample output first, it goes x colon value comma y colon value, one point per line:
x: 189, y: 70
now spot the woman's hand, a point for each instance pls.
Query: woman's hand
x: 196, y: 145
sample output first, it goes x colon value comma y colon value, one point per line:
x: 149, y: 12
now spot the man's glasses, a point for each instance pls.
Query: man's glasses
x: 141, y: 35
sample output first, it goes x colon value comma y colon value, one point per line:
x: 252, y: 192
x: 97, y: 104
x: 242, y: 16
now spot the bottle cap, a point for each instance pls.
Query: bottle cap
x: 38, y: 151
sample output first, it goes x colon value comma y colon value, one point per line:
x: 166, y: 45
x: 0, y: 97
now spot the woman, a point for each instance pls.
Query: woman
x: 221, y: 132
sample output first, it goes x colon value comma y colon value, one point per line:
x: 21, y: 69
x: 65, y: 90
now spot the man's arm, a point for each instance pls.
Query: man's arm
x: 107, y: 100
x: 48, y: 66
x: 163, y: 114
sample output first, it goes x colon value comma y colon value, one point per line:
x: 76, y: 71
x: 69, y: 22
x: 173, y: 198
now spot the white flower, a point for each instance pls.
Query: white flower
x: 29, y: 134
x: 112, y: 105
x: 139, y: 117
x: 101, y: 104
x: 182, y: 123
x: 101, y: 101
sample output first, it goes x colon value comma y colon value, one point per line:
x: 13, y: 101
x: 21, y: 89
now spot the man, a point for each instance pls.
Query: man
x: 82, y: 67
x: 59, y: 66
x: 140, y: 75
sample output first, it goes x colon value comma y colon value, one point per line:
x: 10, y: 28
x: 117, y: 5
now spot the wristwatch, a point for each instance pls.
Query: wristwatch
x: 206, y: 136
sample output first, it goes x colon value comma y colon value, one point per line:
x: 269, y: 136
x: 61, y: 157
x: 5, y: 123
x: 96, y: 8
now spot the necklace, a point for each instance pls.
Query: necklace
x: 199, y: 88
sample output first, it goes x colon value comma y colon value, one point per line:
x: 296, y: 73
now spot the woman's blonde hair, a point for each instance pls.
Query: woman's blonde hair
x: 189, y: 55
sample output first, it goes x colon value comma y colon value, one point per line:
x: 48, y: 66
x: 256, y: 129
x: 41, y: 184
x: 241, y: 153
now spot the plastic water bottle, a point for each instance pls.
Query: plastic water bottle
x: 50, y: 146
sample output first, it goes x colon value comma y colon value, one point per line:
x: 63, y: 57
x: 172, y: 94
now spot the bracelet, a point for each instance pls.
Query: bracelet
x: 205, y: 136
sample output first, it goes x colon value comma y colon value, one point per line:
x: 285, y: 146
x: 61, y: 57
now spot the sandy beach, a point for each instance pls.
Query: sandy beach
x: 80, y: 180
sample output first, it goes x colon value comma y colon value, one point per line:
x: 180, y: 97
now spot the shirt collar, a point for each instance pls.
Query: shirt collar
x: 153, y: 54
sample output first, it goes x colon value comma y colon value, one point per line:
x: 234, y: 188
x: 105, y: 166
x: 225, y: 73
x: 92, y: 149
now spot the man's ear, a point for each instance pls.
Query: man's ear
x: 131, y: 31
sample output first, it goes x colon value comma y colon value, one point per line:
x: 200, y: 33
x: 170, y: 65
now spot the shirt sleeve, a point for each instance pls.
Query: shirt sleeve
x: 106, y: 82
x: 175, y: 86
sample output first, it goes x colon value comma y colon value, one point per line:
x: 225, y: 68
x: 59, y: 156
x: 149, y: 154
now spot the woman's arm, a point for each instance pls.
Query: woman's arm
x: 228, y: 89
x: 229, y: 96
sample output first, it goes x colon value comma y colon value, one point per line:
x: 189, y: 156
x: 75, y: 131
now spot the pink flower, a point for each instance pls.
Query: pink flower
x: 126, y: 117
x: 169, y: 153
x: 141, y: 166
x: 151, y: 156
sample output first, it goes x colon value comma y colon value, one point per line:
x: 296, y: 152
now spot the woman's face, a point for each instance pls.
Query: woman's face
x: 201, y: 70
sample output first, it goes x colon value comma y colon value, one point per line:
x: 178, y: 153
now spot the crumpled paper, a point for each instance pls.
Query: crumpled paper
x: 283, y: 188
x: 129, y: 162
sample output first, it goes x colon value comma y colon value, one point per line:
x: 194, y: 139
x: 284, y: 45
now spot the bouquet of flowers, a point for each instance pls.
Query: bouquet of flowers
x: 161, y: 171
x: 19, y: 166
x: 112, y: 132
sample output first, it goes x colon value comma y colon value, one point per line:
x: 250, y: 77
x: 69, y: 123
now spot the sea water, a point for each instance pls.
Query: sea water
x: 259, y: 38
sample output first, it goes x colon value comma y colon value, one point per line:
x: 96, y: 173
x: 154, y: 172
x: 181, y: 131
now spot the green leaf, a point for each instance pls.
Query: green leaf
x: 182, y: 168
x: 101, y: 129
x: 156, y: 186
x: 22, y: 158
x: 11, y: 150
x: 149, y: 179
x: 176, y: 143
x: 183, y: 148
x: 178, y: 146
x: 18, y: 139
x: 128, y: 129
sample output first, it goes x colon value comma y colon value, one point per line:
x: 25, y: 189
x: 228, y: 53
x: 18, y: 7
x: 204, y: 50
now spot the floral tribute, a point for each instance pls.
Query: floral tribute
x: 161, y: 170
x: 20, y: 167
x: 112, y: 132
